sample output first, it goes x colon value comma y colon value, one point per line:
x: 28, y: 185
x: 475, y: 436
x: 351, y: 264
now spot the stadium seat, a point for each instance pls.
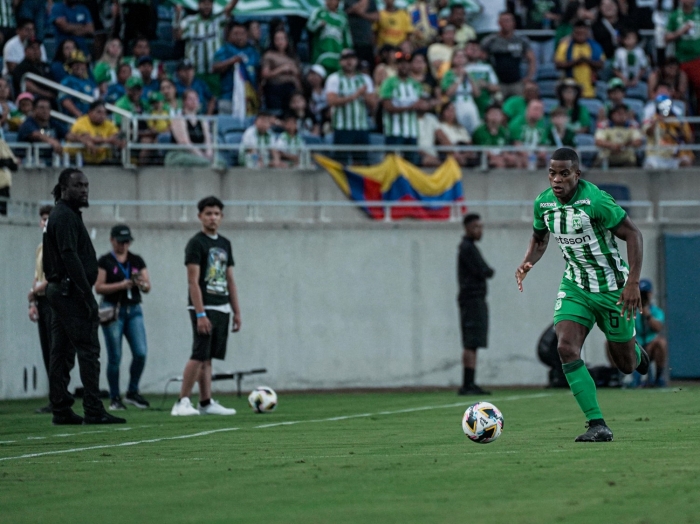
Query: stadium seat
x: 227, y: 124
x: 163, y: 50
x: 165, y: 31
x: 549, y: 104
x: 587, y: 158
x: 231, y: 156
x: 165, y: 12
x: 547, y: 71
x: 601, y: 90
x: 10, y: 136
x: 548, y: 88
x: 639, y: 91
x: 620, y: 192
x: 593, y: 105
x: 637, y: 106
x: 50, y: 46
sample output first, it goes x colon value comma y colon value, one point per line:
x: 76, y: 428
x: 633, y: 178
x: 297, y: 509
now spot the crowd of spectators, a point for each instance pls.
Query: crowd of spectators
x: 357, y: 73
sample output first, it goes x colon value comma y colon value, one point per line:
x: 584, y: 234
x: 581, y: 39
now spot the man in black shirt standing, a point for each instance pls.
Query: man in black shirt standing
x: 472, y: 272
x: 70, y: 265
x: 212, y: 298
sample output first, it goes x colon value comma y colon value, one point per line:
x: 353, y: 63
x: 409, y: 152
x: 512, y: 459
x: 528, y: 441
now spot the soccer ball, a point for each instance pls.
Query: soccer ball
x: 482, y: 422
x: 262, y: 399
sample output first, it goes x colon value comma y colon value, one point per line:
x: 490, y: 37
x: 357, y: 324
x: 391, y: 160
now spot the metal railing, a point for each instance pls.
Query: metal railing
x: 311, y: 212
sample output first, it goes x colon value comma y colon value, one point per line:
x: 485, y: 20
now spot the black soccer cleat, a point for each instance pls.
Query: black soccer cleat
x: 643, y: 367
x: 597, y: 432
x: 472, y: 390
x: 135, y: 399
x: 104, y: 418
x: 66, y: 418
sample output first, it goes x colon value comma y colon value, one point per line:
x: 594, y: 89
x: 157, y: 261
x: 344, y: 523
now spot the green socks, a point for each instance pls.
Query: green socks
x: 583, y: 388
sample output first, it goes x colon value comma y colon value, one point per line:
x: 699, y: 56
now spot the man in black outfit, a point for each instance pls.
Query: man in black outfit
x: 472, y: 272
x: 70, y: 265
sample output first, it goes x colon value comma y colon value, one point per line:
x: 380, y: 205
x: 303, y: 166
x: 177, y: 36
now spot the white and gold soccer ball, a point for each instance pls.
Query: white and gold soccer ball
x: 482, y: 422
x: 262, y: 399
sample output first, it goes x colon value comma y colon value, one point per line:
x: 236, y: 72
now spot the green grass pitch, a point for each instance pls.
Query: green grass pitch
x: 360, y: 458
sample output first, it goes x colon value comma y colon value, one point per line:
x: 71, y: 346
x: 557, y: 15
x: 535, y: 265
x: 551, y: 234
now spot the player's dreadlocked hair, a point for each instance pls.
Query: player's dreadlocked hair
x: 63, y: 182
x: 566, y: 153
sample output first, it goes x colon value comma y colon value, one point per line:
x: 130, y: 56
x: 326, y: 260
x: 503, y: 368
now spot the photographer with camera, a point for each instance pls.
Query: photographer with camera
x: 121, y: 278
x: 648, y: 325
x: 70, y: 266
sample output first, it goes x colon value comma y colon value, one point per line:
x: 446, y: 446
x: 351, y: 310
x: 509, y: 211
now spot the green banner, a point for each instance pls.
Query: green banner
x: 262, y: 7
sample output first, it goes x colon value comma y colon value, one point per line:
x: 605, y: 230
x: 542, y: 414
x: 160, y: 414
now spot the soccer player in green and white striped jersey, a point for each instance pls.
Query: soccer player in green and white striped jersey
x: 351, y: 97
x: 203, y: 35
x: 401, y: 98
x: 598, y: 286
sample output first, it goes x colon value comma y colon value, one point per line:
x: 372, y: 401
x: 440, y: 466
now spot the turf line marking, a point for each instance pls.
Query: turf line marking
x: 123, y: 444
x: 399, y: 411
x: 288, y: 423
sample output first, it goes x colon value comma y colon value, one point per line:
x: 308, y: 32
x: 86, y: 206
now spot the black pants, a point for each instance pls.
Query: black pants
x: 277, y: 96
x: 44, y: 325
x: 73, y: 332
x: 4, y: 192
x: 353, y: 138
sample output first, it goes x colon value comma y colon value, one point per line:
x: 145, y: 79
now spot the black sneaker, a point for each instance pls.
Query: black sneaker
x: 643, y: 367
x: 116, y: 404
x: 104, y: 418
x: 135, y: 399
x: 66, y: 418
x: 596, y: 433
x: 44, y: 410
x: 473, y: 389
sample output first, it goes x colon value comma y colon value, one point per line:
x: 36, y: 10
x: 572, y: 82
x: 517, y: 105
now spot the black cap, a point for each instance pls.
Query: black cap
x: 144, y: 60
x: 121, y: 233
x: 184, y: 64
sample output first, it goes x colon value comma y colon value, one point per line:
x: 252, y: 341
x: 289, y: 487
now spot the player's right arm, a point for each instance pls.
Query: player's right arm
x: 535, y: 250
x: 203, y: 323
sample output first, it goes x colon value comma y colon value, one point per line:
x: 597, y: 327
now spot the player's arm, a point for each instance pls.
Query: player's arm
x: 630, y: 298
x: 233, y: 298
x: 203, y: 323
x: 535, y: 250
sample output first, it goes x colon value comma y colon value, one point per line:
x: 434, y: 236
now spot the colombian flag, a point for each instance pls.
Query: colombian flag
x: 397, y: 180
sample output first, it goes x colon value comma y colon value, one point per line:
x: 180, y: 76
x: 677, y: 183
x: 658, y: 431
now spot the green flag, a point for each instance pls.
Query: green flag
x: 262, y: 7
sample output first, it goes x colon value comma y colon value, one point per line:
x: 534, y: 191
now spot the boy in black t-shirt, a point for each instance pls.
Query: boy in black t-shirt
x: 212, y: 297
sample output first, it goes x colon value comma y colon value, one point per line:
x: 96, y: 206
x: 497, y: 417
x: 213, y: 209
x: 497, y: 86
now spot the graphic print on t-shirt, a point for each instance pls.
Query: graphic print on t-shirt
x: 216, y: 271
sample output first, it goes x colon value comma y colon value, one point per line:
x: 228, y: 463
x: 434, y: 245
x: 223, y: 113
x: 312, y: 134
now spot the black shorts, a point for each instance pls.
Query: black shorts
x: 474, y: 321
x: 208, y: 347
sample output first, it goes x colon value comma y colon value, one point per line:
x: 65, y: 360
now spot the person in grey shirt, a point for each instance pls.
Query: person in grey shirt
x: 506, y: 51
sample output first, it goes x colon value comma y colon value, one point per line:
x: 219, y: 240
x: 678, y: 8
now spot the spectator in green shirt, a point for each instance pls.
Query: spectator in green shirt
x: 569, y: 95
x: 493, y: 132
x: 133, y: 102
x: 684, y: 29
x: 516, y: 105
x: 532, y: 130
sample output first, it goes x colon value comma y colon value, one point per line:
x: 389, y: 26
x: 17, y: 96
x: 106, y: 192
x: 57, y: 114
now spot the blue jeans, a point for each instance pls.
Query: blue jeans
x: 129, y: 324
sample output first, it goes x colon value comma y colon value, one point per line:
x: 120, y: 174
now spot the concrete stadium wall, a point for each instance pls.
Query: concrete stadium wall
x: 323, y: 306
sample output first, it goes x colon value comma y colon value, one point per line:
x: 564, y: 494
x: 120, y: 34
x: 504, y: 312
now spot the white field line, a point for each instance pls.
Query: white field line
x: 289, y: 423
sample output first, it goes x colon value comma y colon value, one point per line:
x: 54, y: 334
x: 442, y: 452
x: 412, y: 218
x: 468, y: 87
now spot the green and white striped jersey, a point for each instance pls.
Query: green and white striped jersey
x: 402, y: 93
x: 202, y: 38
x: 353, y: 115
x: 583, y: 230
x: 289, y: 144
x: 330, y: 34
x: 7, y: 15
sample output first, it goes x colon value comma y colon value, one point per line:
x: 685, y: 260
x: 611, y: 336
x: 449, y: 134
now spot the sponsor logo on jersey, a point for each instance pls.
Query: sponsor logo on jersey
x: 584, y: 202
x: 577, y: 222
x: 561, y: 294
x: 572, y: 240
x: 547, y: 204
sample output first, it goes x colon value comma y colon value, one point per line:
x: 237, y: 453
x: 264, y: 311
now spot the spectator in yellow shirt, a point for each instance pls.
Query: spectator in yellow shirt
x: 98, y: 134
x: 394, y: 25
x: 157, y: 102
x: 580, y: 57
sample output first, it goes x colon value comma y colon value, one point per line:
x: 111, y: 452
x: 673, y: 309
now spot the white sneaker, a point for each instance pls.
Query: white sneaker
x: 183, y: 408
x: 214, y: 408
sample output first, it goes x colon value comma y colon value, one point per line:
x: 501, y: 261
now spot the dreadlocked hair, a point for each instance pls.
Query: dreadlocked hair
x: 63, y: 182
